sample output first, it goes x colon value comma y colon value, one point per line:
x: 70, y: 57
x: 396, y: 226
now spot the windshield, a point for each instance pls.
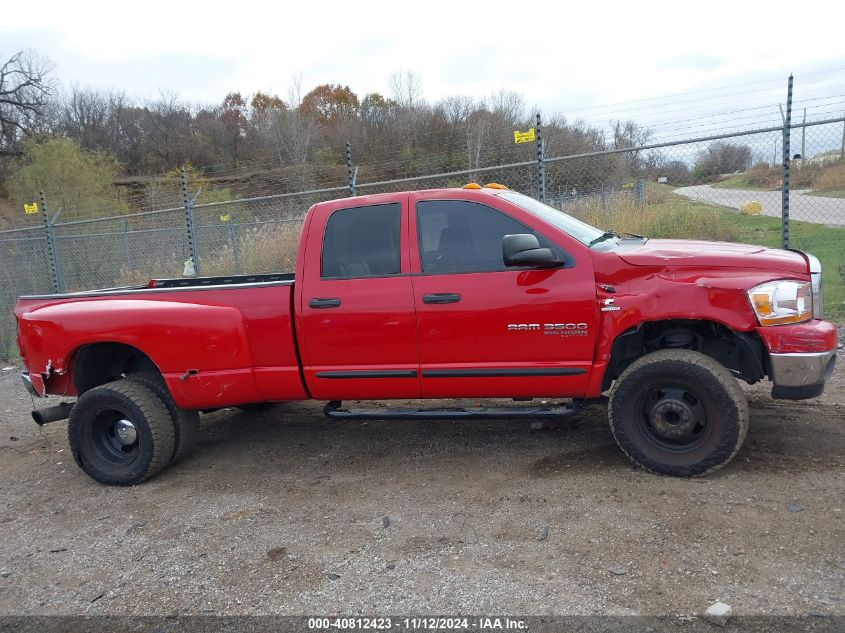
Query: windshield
x: 581, y: 231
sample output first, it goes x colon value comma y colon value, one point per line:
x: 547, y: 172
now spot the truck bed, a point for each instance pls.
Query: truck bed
x: 217, y: 341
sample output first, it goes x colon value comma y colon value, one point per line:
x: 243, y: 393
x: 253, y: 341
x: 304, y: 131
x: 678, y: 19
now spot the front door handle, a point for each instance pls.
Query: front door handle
x: 442, y: 297
x: 324, y: 303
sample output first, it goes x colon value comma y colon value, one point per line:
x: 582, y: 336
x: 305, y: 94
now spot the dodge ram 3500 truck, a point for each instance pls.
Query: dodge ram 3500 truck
x: 476, y: 292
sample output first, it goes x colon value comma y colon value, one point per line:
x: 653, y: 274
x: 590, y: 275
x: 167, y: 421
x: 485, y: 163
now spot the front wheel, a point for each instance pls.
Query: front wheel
x: 678, y: 412
x: 121, y: 433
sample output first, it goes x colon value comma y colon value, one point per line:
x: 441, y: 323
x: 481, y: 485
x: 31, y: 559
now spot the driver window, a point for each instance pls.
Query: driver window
x: 458, y: 236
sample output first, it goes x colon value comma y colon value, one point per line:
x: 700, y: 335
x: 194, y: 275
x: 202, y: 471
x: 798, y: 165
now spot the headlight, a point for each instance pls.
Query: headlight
x: 782, y: 302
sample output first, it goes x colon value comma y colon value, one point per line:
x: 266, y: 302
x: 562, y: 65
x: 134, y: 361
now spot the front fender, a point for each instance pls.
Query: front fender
x: 645, y: 295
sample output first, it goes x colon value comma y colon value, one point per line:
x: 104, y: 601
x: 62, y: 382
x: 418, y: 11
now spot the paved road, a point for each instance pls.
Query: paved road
x: 818, y: 209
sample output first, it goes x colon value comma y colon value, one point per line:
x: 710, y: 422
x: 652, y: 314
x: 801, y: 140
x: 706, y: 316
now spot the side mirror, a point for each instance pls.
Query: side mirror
x: 524, y: 250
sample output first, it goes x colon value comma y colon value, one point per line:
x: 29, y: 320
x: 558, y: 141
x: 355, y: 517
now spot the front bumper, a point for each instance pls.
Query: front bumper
x: 801, y: 375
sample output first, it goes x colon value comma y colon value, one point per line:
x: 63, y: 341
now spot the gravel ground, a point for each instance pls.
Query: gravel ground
x: 287, y: 512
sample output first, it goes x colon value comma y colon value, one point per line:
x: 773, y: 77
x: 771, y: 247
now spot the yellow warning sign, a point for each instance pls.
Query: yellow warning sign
x: 29, y: 209
x: 225, y: 217
x: 523, y: 137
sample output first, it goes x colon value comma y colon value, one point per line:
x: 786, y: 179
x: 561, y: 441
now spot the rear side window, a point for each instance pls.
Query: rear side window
x: 458, y: 236
x: 362, y: 242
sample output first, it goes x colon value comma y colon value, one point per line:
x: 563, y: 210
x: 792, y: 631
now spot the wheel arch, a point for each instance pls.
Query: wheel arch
x: 742, y: 353
x: 96, y: 364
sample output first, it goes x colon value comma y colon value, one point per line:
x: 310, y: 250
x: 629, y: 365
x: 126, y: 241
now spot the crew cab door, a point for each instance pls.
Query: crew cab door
x: 356, y: 303
x: 488, y: 330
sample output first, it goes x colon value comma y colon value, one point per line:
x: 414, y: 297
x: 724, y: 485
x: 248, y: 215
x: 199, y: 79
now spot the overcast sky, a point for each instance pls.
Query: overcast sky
x: 568, y: 57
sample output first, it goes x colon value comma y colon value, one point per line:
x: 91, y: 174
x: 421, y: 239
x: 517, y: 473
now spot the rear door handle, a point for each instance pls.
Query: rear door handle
x: 324, y: 303
x: 442, y: 297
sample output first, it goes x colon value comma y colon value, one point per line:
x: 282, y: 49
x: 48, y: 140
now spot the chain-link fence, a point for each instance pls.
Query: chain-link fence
x: 728, y: 187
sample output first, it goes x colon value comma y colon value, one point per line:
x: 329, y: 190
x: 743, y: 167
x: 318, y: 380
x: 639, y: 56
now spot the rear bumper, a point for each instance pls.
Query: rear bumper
x: 797, y: 376
x: 33, y: 384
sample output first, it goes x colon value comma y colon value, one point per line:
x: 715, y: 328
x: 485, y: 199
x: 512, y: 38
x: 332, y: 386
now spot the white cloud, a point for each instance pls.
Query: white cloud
x: 559, y: 55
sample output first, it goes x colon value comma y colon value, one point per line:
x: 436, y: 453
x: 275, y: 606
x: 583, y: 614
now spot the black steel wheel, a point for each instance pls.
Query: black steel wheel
x: 678, y: 412
x: 673, y: 416
x: 121, y: 433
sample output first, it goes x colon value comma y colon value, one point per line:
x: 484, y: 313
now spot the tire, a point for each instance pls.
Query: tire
x: 257, y: 407
x: 109, y: 454
x: 186, y: 424
x: 678, y: 412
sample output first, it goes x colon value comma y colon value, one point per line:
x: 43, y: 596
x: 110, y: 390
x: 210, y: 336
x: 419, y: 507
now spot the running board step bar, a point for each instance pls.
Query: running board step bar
x: 333, y: 410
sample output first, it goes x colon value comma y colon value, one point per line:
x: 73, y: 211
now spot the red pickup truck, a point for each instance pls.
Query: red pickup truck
x: 477, y: 292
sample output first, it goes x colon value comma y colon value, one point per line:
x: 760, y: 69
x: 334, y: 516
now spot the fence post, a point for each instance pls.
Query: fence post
x: 350, y: 175
x: 541, y: 161
x: 787, y: 122
x: 55, y: 277
x: 189, y: 220
x: 126, y: 245
x: 842, y: 149
x: 233, y: 239
x: 640, y: 192
x: 804, y: 138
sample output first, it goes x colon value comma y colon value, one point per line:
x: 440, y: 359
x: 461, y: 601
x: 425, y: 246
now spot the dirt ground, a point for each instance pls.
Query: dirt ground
x: 287, y: 512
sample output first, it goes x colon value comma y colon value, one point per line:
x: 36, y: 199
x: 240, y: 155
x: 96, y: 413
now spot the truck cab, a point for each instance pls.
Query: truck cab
x: 435, y: 310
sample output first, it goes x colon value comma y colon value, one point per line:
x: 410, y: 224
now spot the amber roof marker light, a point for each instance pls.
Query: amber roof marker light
x: 494, y: 185
x: 471, y: 185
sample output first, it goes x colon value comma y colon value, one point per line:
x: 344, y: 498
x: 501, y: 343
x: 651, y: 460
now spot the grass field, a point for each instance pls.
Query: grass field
x: 829, y: 194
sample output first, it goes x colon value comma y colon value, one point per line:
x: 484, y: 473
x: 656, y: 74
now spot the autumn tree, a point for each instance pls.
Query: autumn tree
x: 233, y: 116
x: 375, y: 110
x: 329, y: 104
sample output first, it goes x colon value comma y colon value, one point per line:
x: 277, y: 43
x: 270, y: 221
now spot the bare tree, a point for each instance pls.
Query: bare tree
x: 168, y: 129
x: 295, y: 131
x: 509, y: 106
x: 406, y: 89
x: 478, y: 129
x: 25, y: 89
x: 628, y: 135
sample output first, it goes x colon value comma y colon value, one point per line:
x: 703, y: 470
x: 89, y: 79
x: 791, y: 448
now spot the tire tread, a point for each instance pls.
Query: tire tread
x: 155, y: 415
x: 733, y: 398
x: 186, y: 423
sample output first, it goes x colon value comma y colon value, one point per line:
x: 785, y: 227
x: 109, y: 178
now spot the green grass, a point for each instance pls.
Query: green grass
x: 828, y: 194
x: 740, y: 182
x: 826, y: 243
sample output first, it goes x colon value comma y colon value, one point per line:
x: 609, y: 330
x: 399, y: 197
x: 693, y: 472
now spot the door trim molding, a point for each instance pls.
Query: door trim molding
x: 503, y: 373
x: 367, y: 373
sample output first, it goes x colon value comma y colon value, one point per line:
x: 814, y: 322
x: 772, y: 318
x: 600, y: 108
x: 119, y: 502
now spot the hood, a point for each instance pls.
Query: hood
x: 711, y: 254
